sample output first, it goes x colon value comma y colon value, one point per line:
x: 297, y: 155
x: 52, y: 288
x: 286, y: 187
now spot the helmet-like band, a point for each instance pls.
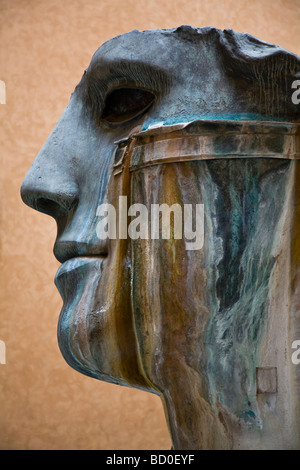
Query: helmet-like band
x: 206, y: 140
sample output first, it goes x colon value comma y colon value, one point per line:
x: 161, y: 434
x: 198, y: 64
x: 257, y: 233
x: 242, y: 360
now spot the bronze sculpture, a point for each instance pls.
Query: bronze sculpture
x: 182, y: 117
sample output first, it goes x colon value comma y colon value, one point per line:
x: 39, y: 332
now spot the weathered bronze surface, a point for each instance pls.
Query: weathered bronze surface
x: 182, y: 117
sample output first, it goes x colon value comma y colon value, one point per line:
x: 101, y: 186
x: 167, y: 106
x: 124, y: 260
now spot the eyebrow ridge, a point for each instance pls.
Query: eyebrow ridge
x: 99, y: 80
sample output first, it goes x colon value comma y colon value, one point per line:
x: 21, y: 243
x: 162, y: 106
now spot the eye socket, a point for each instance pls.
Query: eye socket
x: 124, y: 104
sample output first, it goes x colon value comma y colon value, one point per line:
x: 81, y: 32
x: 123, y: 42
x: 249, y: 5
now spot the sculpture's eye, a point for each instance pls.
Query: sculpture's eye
x: 124, y: 104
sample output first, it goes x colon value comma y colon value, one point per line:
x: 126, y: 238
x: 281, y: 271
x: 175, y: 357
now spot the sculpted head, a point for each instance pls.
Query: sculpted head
x: 183, y: 116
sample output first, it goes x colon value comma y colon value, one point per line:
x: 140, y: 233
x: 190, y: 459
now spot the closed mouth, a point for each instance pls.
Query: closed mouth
x: 68, y: 250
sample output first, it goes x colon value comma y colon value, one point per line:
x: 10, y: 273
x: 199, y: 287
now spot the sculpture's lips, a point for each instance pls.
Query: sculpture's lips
x: 75, y: 269
x: 77, y: 262
x: 65, y: 250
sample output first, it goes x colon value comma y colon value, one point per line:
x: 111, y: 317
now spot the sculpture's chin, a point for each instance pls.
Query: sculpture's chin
x: 78, y: 281
x: 95, y: 330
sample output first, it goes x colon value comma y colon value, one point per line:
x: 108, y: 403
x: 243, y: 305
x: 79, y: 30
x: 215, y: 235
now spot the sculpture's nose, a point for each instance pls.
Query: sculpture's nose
x: 44, y: 198
x: 47, y: 188
x: 52, y: 203
x: 50, y: 185
x: 61, y: 183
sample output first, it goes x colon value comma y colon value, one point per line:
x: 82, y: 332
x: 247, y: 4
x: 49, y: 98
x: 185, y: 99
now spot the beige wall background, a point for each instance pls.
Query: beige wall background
x: 45, y: 46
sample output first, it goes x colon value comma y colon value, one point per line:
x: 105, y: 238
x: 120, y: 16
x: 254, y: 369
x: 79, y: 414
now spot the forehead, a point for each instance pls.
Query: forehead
x: 136, y: 45
x: 164, y: 49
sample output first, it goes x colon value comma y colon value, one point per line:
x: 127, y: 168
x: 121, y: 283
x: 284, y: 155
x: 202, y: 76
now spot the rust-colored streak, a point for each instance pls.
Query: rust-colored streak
x: 170, y: 312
